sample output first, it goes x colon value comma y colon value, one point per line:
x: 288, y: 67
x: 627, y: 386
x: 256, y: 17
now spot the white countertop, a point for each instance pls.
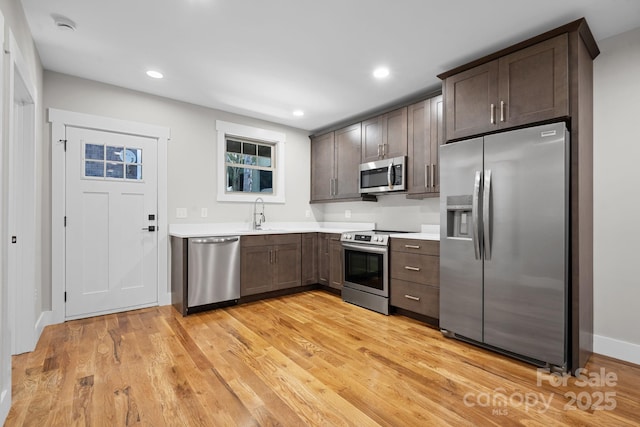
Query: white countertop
x: 427, y: 232
x: 243, y: 229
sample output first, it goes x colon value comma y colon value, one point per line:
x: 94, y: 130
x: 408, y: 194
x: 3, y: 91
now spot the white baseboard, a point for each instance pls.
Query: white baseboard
x: 5, y: 405
x: 46, y: 318
x: 165, y: 298
x: 617, y: 349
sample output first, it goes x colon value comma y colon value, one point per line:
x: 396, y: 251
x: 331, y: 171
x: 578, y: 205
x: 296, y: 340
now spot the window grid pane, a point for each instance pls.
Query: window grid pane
x: 119, y: 162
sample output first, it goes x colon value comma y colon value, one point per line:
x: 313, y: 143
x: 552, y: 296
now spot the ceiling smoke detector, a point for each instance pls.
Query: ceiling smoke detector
x: 63, y: 23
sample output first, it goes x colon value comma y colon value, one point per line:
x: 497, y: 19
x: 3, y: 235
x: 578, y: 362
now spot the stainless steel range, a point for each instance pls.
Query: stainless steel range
x: 366, y: 269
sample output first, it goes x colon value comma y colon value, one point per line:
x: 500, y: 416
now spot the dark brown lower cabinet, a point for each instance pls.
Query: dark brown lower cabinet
x: 336, y: 276
x: 270, y: 262
x: 415, y: 276
x: 310, y: 258
x: 330, y: 260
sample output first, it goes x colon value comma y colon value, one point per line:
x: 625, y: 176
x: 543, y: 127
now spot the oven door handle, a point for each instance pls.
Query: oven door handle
x: 366, y: 248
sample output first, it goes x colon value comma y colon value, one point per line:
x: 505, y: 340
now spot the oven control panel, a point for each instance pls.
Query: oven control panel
x: 366, y: 237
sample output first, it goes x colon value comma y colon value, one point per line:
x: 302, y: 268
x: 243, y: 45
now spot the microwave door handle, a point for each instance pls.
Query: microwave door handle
x: 391, y: 176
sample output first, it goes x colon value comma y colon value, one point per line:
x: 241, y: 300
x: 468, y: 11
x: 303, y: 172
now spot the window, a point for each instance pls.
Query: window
x: 249, y: 166
x: 111, y: 162
x: 250, y: 163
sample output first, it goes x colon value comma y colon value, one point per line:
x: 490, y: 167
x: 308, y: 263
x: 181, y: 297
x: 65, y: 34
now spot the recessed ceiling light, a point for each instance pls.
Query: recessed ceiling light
x: 298, y: 113
x: 155, y: 74
x: 380, y: 72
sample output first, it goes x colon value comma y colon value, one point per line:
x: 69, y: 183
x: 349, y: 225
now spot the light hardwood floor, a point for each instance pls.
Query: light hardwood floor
x: 305, y: 359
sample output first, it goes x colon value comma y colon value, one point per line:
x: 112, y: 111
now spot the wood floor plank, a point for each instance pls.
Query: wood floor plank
x: 305, y: 359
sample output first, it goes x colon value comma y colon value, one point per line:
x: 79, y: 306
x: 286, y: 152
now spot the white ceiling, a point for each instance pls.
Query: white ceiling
x: 266, y: 58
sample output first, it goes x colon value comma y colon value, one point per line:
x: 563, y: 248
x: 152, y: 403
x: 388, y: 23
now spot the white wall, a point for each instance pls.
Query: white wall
x: 617, y: 196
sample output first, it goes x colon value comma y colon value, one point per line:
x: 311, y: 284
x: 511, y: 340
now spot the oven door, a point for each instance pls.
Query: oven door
x: 366, y: 268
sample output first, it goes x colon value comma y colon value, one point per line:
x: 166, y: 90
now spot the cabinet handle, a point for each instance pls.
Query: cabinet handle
x: 384, y: 150
x: 379, y: 146
x: 270, y: 257
x: 407, y: 267
x: 492, y: 114
x: 502, y: 111
x: 331, y: 186
x: 412, y: 246
x: 335, y: 187
x: 411, y: 297
x: 426, y: 175
x: 433, y: 176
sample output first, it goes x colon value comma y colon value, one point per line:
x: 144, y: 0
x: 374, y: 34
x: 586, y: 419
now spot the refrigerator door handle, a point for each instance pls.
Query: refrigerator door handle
x: 486, y: 215
x: 474, y: 215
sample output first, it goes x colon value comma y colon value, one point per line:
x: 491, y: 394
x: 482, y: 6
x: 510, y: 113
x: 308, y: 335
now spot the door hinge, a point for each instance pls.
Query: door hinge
x: 64, y: 143
x: 65, y: 297
x: 65, y: 221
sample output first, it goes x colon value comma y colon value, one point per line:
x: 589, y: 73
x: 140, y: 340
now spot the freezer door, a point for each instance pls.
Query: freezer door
x: 460, y: 237
x: 526, y: 242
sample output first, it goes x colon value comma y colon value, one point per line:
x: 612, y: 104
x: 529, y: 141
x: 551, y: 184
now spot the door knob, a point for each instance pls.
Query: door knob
x: 150, y: 228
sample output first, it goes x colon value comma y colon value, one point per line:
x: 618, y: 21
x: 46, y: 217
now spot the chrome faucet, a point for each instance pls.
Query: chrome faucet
x: 258, y: 217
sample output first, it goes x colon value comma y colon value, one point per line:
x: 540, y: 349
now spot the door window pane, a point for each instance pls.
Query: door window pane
x: 115, y: 154
x: 134, y: 171
x: 115, y: 170
x: 93, y: 168
x: 94, y: 151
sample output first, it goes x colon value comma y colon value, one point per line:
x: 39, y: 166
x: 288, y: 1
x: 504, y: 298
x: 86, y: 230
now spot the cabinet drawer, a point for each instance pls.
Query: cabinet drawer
x: 423, y: 269
x: 270, y: 239
x: 426, y: 247
x: 415, y: 297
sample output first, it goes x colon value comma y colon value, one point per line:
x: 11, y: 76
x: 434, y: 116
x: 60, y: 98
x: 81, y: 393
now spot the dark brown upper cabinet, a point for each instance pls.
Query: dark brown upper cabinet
x: 335, y: 157
x: 528, y: 86
x: 385, y: 136
x: 425, y: 134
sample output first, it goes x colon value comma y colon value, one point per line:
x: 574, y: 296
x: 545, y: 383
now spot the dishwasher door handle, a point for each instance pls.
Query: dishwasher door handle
x: 214, y: 240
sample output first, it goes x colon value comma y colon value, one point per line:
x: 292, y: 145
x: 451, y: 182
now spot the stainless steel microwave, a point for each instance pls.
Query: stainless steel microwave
x: 383, y: 175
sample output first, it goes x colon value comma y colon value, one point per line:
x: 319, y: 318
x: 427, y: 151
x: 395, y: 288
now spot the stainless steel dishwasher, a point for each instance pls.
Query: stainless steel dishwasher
x: 214, y: 270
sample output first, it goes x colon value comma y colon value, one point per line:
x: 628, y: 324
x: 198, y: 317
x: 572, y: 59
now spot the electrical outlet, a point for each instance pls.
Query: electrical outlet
x: 347, y: 213
x: 307, y: 213
x: 204, y: 212
x: 181, y: 212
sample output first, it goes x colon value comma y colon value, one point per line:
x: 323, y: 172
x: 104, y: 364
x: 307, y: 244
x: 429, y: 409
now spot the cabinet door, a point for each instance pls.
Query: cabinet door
x: 372, y: 139
x: 534, y: 83
x: 336, y: 275
x: 419, y: 159
x: 309, y: 258
x: 256, y: 271
x: 471, y: 99
x: 322, y: 153
x: 394, y: 133
x: 286, y: 266
x: 347, y: 160
x: 437, y: 139
x: 323, y: 259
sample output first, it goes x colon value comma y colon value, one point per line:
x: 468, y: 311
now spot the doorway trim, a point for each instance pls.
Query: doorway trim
x: 60, y: 120
x: 22, y: 137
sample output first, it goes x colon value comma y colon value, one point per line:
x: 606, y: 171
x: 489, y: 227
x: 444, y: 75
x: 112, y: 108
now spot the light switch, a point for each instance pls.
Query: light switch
x: 347, y: 213
x: 204, y: 212
x: 181, y: 212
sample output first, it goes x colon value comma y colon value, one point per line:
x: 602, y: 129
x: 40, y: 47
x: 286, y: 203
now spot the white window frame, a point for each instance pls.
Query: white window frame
x: 278, y: 139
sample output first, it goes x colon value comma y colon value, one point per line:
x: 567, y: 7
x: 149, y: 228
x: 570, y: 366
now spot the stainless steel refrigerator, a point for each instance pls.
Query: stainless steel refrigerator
x: 504, y: 205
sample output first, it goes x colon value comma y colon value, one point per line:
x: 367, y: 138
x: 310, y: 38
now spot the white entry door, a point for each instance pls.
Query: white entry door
x: 111, y: 219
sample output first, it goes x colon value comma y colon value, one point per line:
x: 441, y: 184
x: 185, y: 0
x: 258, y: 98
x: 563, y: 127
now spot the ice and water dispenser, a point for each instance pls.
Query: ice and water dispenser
x: 459, y: 219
